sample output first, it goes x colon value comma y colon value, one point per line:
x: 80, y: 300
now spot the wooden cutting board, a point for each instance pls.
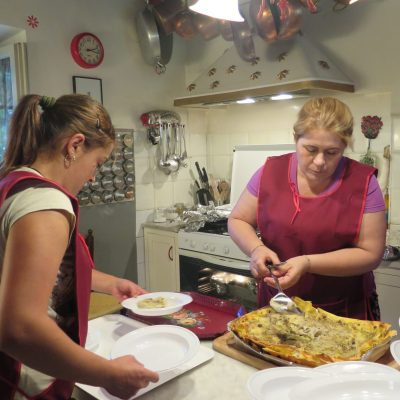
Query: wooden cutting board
x: 225, y: 344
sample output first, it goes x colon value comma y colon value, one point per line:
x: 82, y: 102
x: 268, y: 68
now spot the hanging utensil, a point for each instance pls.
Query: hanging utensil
x: 281, y: 302
x: 184, y: 154
x: 173, y: 164
x: 162, y: 163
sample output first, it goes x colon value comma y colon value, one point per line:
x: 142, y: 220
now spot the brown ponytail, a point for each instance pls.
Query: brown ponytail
x: 39, y: 125
x: 23, y: 135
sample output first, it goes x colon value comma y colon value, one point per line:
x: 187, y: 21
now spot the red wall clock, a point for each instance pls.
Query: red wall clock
x: 87, y: 50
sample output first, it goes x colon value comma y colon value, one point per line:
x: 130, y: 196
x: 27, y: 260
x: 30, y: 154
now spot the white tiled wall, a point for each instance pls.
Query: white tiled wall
x: 212, y: 134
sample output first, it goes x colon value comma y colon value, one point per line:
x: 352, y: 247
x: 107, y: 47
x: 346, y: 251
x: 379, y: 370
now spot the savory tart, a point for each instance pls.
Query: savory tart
x: 312, y: 339
x: 152, y: 302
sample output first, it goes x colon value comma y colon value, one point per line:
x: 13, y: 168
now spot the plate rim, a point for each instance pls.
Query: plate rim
x: 153, y: 312
x: 191, y: 339
x: 338, y: 379
x: 371, y: 364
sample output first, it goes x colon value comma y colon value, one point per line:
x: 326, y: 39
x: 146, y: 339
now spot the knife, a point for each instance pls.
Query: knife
x: 199, y: 172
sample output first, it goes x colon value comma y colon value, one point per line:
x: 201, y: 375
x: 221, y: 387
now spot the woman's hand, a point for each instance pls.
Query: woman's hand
x: 130, y: 376
x: 260, y: 256
x: 290, y: 272
x: 124, y: 289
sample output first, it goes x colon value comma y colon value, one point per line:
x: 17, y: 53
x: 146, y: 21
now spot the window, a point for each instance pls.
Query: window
x: 13, y: 85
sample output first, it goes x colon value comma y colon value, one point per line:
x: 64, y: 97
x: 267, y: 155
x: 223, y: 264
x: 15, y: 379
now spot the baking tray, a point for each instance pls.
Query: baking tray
x: 373, y: 354
x: 206, y: 316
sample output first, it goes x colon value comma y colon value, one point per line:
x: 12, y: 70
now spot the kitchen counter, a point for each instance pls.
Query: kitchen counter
x: 166, y: 226
x: 221, y: 378
x: 389, y: 267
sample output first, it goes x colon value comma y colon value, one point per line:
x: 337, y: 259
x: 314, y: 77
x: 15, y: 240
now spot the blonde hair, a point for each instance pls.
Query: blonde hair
x: 325, y: 113
x: 38, y: 125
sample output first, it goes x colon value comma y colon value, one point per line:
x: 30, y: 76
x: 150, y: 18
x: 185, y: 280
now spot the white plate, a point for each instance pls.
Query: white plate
x: 175, y: 302
x: 276, y: 383
x: 395, y: 350
x: 348, y: 387
x: 158, y: 347
x: 356, y: 367
x: 92, y: 340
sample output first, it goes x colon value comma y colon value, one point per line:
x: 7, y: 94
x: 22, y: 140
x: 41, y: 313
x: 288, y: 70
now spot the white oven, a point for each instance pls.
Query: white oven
x: 212, y: 264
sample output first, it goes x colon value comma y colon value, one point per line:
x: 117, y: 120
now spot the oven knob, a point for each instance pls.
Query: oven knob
x: 212, y: 247
x: 205, y: 246
x: 226, y: 250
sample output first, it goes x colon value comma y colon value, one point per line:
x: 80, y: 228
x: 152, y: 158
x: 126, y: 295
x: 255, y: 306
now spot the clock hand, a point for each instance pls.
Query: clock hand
x: 93, y: 50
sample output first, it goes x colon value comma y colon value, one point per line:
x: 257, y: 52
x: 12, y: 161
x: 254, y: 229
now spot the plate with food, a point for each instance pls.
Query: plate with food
x: 158, y: 347
x: 312, y: 339
x: 157, y: 303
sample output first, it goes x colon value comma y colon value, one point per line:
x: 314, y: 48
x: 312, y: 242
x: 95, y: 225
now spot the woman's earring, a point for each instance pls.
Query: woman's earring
x: 68, y: 160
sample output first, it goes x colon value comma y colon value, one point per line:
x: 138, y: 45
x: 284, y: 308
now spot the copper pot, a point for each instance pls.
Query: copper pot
x: 206, y: 26
x: 243, y: 39
x: 166, y: 11
x: 292, y: 22
x: 225, y: 29
x: 184, y: 25
x: 265, y: 19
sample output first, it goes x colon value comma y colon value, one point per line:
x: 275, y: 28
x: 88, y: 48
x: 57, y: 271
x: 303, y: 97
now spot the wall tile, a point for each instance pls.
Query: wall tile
x: 144, y: 197
x: 141, y: 273
x: 164, y: 194
x: 142, y: 217
x: 140, y: 250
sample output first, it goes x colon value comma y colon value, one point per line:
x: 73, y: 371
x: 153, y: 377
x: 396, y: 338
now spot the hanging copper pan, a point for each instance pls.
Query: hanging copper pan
x: 291, y: 24
x: 184, y: 25
x: 206, y: 26
x: 166, y: 11
x: 243, y: 39
x: 265, y: 18
x: 225, y: 29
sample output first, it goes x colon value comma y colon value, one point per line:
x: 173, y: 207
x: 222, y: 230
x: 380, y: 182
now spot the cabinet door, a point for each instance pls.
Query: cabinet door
x: 388, y: 288
x: 161, y: 262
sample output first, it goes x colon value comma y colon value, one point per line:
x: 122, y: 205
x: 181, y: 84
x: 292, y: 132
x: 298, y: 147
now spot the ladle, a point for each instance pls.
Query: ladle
x: 163, y: 163
x: 281, y: 302
x: 173, y: 164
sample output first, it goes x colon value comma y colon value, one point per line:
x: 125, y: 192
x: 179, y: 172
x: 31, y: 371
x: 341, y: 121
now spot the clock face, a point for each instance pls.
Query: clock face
x: 87, y: 50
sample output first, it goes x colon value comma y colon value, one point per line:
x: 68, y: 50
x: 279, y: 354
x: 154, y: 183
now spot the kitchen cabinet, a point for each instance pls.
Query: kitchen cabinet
x: 387, y: 278
x: 161, y: 260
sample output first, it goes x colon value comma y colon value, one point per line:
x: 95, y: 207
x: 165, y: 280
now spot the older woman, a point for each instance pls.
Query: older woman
x: 54, y: 147
x: 321, y: 212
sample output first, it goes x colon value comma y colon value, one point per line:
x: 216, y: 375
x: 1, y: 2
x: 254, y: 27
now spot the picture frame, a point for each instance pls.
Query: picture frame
x: 88, y: 85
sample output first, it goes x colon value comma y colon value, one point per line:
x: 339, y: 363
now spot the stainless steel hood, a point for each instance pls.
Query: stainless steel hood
x: 296, y: 66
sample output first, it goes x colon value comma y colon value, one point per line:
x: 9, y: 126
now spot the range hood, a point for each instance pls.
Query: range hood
x: 296, y: 66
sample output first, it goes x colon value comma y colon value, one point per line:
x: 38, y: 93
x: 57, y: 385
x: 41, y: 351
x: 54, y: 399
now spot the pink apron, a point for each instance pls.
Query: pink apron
x: 9, y: 367
x: 293, y: 225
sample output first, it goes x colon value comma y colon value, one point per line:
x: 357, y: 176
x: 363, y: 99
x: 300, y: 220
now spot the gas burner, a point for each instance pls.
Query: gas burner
x: 217, y: 227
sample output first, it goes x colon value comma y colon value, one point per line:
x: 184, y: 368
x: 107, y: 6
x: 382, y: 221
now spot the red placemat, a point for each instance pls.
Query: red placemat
x: 205, y: 316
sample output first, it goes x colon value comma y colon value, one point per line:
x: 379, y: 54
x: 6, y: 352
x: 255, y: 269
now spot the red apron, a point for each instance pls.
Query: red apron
x: 10, y: 368
x: 293, y: 225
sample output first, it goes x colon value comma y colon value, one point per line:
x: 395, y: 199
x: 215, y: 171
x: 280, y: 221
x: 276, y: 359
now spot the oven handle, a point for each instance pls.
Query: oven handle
x: 216, y: 260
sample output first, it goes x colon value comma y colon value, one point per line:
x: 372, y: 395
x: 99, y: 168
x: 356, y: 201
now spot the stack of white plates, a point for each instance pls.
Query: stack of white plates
x: 353, y: 380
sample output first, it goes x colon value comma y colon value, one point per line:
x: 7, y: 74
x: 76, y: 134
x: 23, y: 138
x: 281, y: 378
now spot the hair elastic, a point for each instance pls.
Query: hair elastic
x: 47, y: 102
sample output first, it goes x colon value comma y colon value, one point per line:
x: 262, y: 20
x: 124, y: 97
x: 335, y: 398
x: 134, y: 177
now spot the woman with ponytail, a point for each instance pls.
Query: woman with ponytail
x: 46, y: 272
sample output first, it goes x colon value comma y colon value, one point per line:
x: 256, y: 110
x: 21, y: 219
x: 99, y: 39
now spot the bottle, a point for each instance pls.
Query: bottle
x: 89, y: 239
x: 387, y: 202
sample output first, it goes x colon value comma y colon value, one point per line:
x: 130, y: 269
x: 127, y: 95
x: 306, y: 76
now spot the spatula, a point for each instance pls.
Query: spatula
x: 281, y: 302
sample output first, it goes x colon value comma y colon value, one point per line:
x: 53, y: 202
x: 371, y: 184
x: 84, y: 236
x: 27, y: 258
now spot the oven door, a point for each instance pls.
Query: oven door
x: 217, y: 276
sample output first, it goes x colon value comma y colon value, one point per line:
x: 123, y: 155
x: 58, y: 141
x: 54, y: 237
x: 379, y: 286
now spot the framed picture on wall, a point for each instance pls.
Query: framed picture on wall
x: 89, y: 86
